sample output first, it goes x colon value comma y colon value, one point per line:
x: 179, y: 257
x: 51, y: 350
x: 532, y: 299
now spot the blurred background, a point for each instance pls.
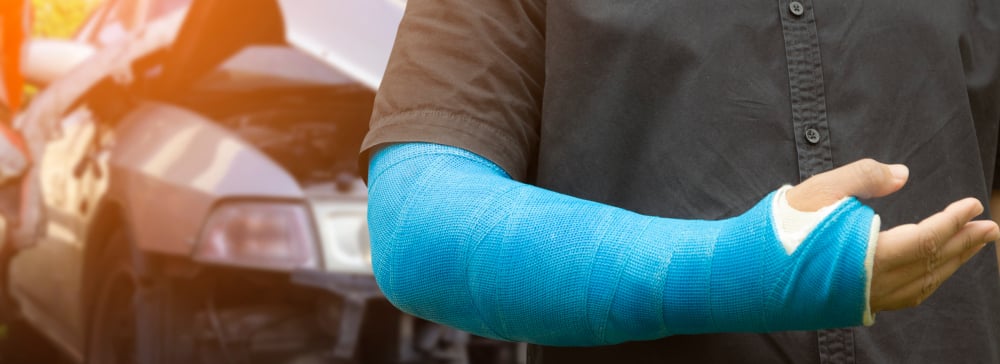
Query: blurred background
x: 60, y: 18
x: 179, y: 183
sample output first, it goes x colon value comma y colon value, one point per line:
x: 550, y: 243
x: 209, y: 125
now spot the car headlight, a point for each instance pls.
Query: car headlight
x: 343, y: 229
x: 263, y: 235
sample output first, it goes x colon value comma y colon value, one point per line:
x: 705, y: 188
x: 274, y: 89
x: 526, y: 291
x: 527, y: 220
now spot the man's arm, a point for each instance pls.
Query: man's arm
x: 456, y: 241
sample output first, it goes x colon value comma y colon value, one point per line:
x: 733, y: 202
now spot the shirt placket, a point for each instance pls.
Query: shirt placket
x: 805, y: 80
x: 812, y: 131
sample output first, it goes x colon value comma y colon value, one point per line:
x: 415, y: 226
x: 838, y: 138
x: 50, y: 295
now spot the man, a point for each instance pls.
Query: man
x: 634, y: 119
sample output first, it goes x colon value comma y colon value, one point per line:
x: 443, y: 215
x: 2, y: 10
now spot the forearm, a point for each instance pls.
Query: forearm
x: 473, y: 249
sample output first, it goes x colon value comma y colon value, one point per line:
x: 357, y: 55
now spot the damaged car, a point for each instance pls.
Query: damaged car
x: 194, y: 196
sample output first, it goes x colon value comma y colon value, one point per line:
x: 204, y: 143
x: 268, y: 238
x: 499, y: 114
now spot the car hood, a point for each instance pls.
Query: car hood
x: 352, y: 36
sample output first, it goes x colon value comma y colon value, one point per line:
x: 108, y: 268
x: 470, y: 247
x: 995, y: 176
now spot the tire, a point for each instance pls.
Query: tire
x: 135, y: 320
x: 111, y: 338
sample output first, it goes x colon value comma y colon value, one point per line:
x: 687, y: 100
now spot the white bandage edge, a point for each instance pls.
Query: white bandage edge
x: 869, y: 317
x: 793, y: 226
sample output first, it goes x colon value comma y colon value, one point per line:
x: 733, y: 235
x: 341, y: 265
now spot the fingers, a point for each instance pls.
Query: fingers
x: 864, y: 178
x: 917, y: 290
x: 924, y: 241
x: 912, y: 261
x: 974, y: 234
x: 970, y: 238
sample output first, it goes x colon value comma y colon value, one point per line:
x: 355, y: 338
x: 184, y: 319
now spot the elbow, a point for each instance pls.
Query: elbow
x: 402, y: 222
x: 399, y: 233
x: 419, y: 236
x: 382, y: 221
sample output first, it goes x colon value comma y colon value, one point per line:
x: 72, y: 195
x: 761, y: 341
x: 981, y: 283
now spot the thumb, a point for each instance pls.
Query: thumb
x: 864, y: 178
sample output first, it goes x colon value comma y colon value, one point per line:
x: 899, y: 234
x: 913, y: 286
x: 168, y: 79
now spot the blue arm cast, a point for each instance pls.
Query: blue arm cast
x: 456, y: 241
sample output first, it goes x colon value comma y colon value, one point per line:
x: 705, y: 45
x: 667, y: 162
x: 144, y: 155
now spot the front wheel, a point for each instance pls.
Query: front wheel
x: 133, y: 322
x: 112, y: 329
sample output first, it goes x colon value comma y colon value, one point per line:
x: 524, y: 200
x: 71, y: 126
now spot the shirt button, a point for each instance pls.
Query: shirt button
x: 796, y: 8
x: 812, y: 136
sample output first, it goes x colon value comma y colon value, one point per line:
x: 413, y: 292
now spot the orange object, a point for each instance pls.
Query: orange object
x: 14, y: 32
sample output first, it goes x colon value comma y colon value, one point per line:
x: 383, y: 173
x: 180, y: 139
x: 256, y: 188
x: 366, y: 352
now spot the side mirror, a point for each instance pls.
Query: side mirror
x: 46, y: 60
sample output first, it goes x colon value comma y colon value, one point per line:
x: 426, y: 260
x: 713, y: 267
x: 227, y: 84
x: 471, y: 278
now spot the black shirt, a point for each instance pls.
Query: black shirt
x: 697, y: 109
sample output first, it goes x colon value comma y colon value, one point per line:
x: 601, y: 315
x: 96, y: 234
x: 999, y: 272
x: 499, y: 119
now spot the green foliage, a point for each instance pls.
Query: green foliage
x: 60, y: 18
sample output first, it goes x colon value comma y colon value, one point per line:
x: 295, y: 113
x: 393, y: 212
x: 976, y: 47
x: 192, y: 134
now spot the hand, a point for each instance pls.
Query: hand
x: 913, y: 260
